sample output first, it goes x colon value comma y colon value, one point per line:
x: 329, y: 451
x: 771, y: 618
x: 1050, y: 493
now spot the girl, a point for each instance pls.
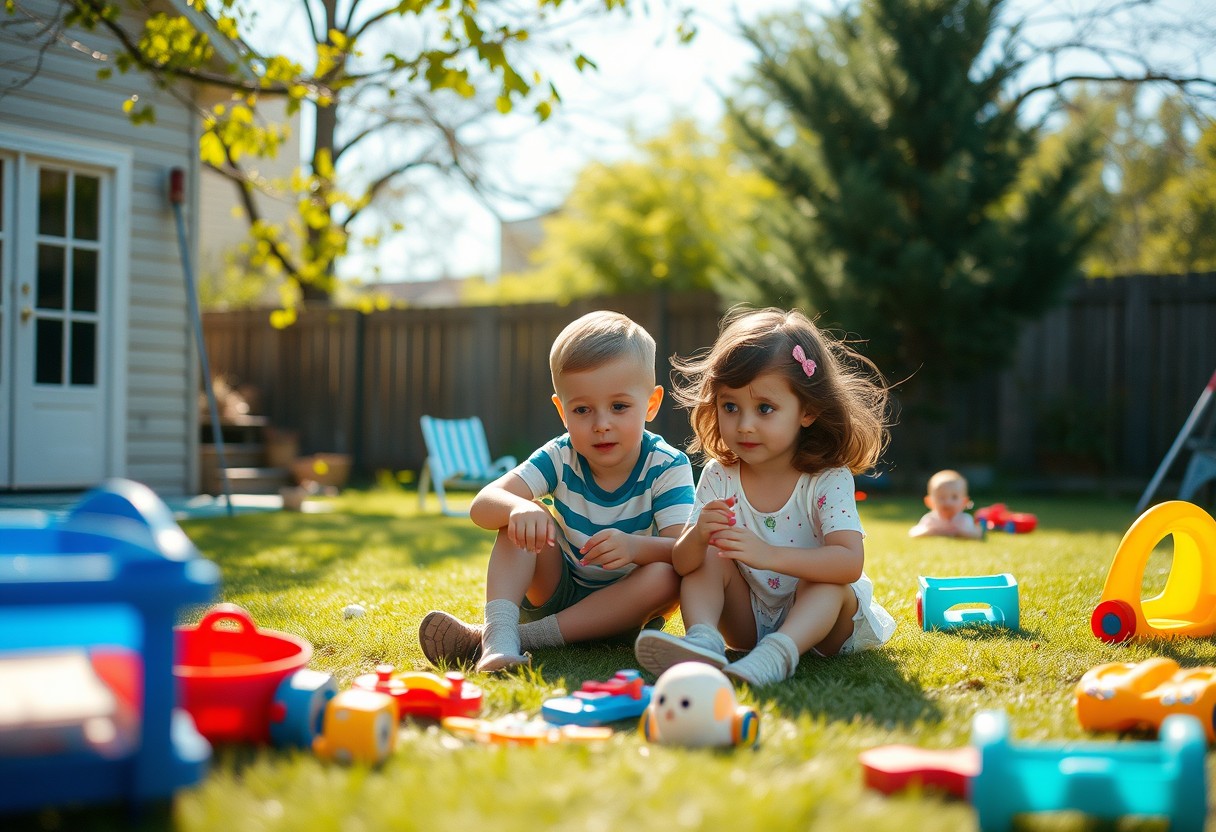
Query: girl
x: 773, y: 561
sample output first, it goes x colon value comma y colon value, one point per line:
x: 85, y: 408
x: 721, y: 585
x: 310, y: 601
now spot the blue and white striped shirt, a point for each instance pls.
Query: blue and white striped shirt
x: 657, y: 494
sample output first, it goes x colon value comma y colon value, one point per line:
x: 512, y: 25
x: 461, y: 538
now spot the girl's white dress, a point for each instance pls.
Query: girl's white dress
x: 820, y: 504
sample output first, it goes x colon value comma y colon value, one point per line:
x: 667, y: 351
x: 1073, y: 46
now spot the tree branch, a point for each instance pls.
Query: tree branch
x: 233, y: 173
x: 1182, y: 82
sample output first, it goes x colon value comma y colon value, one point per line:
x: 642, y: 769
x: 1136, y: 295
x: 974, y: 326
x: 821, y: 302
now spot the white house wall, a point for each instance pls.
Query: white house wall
x: 66, y: 101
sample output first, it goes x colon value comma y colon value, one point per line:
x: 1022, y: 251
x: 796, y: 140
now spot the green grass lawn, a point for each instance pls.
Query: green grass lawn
x: 295, y: 572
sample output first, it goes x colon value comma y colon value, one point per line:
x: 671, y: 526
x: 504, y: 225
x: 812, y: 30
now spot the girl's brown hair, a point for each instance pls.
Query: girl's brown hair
x: 846, y: 393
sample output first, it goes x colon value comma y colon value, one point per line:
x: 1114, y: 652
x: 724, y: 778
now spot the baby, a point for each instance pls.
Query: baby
x: 947, y: 502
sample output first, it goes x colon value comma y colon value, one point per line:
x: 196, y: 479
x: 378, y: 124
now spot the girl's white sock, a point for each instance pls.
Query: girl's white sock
x: 774, y: 660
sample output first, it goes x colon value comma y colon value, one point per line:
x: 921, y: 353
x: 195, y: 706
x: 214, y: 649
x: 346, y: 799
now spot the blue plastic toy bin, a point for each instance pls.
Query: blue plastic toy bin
x: 88, y: 702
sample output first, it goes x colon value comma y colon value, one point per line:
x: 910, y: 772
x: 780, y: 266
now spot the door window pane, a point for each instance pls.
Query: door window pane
x: 50, y: 277
x: 84, y: 353
x: 86, y: 210
x: 84, y: 280
x: 48, y: 368
x: 53, y: 202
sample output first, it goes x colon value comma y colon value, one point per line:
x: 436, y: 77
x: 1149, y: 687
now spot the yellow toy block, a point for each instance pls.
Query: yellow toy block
x: 359, y: 726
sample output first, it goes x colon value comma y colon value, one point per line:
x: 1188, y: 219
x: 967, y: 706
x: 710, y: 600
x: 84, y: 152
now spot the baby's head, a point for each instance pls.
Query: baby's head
x: 841, y: 389
x: 947, y: 494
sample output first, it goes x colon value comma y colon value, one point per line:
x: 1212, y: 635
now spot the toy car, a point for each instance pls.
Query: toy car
x: 359, y: 726
x: 1123, y: 696
x: 998, y: 517
x: 694, y: 706
x: 517, y: 729
x: 624, y: 696
x: 424, y: 694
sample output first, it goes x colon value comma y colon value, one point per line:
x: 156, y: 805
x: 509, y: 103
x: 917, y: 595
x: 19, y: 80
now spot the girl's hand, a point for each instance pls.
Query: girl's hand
x: 530, y: 526
x: 743, y: 545
x: 609, y: 549
x: 716, y: 516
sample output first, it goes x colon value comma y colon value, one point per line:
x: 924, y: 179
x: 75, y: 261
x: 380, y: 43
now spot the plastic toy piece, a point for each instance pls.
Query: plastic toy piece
x: 1187, y: 604
x: 424, y: 694
x: 937, y: 597
x: 893, y: 768
x: 107, y: 582
x: 360, y: 726
x: 998, y: 517
x: 298, y: 707
x: 624, y: 696
x: 517, y: 729
x: 229, y: 671
x: 1125, y: 696
x: 694, y: 706
x: 1105, y: 780
x: 55, y: 702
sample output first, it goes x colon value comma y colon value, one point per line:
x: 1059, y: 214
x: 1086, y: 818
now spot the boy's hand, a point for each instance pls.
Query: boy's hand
x: 609, y: 549
x: 743, y: 545
x: 530, y: 526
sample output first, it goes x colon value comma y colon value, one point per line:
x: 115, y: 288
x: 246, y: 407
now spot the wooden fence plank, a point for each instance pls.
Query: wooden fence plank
x: 1101, y: 383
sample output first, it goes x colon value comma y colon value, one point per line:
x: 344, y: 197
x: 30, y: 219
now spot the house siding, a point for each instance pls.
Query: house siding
x: 65, y: 100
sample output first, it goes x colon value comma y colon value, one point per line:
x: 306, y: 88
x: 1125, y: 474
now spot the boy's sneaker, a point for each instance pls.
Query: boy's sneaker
x: 656, y: 651
x: 447, y: 640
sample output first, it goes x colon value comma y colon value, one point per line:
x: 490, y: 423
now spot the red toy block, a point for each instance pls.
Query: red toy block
x: 893, y: 768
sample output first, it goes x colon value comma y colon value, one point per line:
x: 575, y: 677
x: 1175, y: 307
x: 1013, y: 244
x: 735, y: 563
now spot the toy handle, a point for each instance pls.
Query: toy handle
x: 228, y: 612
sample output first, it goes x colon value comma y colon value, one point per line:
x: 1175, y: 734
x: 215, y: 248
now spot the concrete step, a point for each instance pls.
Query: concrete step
x: 236, y: 455
x: 246, y: 480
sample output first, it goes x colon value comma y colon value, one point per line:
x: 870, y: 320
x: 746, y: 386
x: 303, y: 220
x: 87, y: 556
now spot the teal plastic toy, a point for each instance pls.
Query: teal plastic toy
x: 1106, y: 780
x: 91, y: 601
x: 936, y: 599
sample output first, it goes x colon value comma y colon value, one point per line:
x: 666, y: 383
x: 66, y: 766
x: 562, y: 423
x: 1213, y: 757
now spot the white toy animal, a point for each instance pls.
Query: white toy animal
x: 693, y: 705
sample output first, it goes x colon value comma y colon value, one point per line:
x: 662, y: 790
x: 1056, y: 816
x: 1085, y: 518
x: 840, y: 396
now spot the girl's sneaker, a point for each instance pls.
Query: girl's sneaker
x: 656, y: 651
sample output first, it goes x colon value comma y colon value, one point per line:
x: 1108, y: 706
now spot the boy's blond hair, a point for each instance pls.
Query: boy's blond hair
x: 597, y: 338
x: 946, y: 477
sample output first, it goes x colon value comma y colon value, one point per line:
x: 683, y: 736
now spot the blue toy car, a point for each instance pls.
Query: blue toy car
x: 624, y: 696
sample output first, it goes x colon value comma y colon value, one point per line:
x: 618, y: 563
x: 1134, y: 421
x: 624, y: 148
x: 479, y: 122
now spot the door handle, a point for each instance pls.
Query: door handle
x: 26, y: 314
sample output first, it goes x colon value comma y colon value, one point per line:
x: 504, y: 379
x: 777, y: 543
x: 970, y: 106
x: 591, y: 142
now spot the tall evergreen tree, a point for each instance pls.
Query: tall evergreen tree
x: 912, y: 215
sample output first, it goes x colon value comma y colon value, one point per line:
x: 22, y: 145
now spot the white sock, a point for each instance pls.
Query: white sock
x: 542, y: 633
x: 774, y: 660
x: 706, y: 636
x: 501, y: 633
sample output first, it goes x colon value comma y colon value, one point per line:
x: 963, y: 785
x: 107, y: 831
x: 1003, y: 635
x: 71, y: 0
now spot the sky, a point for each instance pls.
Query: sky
x: 645, y: 78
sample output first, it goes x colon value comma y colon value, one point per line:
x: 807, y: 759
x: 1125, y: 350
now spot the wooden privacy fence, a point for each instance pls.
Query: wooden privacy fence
x: 357, y: 383
x: 1099, y: 386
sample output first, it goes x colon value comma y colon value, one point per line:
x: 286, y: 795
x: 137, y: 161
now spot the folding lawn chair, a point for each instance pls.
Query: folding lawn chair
x: 458, y: 456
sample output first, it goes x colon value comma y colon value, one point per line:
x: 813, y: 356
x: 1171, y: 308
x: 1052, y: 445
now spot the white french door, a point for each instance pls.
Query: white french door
x: 57, y: 264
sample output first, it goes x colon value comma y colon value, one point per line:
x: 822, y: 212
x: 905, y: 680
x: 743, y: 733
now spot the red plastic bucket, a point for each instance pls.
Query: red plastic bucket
x: 228, y: 674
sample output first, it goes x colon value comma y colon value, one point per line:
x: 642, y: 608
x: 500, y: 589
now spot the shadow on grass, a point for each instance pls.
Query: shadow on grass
x: 319, y: 543
x: 869, y: 685
x: 157, y: 815
x: 991, y: 632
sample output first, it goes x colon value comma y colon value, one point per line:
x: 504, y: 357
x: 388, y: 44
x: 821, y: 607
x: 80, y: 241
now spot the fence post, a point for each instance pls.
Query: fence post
x: 1140, y: 388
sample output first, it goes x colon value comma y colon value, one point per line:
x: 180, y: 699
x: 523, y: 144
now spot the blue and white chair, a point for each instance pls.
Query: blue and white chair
x: 458, y: 456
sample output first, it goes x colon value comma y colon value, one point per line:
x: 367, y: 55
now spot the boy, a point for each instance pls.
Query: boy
x: 598, y: 563
x: 947, y: 502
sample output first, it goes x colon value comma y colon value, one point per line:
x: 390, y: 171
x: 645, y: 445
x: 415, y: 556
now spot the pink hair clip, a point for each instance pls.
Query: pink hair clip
x: 808, y: 366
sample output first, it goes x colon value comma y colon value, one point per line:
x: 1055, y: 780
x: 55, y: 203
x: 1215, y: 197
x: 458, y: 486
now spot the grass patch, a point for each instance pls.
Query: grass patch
x: 295, y: 572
